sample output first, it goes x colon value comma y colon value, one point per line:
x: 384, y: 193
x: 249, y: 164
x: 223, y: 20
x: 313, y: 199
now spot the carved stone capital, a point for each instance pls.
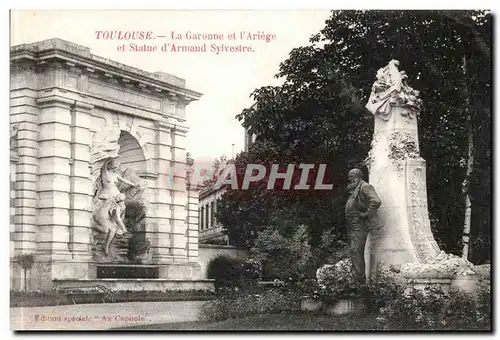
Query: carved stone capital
x: 55, y: 100
x: 82, y: 106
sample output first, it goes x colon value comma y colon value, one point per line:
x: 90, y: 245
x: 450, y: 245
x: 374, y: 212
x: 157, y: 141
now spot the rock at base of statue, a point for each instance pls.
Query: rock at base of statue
x: 131, y: 247
x: 118, y: 248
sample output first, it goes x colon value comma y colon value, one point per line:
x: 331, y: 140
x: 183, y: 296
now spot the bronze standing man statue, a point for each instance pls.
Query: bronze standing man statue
x: 360, y: 212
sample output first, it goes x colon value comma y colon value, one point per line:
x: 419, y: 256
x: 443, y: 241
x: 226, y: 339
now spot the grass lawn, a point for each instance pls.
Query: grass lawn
x: 298, y: 322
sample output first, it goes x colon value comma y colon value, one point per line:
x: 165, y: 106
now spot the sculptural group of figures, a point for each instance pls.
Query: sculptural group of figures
x: 109, y: 203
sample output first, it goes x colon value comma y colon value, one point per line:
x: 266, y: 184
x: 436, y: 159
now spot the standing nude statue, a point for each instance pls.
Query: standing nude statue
x: 109, y: 202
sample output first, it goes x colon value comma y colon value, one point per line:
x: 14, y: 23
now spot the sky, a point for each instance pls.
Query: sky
x: 225, y: 80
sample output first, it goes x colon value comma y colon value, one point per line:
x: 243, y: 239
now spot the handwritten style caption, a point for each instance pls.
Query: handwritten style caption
x: 188, y: 41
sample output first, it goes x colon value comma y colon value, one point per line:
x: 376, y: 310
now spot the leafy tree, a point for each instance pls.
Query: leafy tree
x: 318, y: 115
x: 26, y: 262
x: 245, y: 213
x: 217, y: 166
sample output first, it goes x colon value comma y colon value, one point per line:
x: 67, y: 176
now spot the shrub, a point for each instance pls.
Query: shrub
x: 483, y: 306
x: 251, y: 269
x: 250, y: 273
x: 339, y: 281
x: 225, y: 271
x: 435, y: 309
x: 26, y: 261
x: 306, y: 288
x: 281, y: 256
x: 269, y: 302
x: 383, y: 288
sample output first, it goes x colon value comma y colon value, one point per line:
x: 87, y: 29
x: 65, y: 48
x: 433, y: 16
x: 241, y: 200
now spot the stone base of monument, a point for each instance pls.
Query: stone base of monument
x: 464, y: 283
x: 162, y: 285
x: 127, y: 271
x: 343, y: 307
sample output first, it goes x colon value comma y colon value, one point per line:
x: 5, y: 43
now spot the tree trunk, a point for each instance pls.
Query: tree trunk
x: 468, y: 205
x: 470, y: 165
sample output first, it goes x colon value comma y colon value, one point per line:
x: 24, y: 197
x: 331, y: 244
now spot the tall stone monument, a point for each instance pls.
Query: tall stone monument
x: 398, y: 174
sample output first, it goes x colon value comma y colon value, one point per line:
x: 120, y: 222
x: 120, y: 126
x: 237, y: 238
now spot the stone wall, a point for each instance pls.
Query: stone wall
x: 209, y: 251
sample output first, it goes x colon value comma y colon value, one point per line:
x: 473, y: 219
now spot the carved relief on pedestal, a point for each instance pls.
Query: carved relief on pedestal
x: 368, y: 161
x: 391, y: 89
x: 402, y: 146
x: 418, y: 221
x: 432, y: 261
x: 119, y: 205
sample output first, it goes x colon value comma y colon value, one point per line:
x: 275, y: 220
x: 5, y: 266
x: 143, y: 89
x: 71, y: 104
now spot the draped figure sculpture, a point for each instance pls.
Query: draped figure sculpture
x: 109, y: 202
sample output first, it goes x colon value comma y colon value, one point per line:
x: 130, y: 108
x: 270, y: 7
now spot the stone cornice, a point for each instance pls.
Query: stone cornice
x: 208, y: 191
x: 147, y: 175
x: 83, y: 106
x: 168, y: 126
x: 73, y: 55
x: 54, y: 99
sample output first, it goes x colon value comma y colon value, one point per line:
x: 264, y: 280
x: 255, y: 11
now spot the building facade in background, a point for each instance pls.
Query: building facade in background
x: 210, y: 230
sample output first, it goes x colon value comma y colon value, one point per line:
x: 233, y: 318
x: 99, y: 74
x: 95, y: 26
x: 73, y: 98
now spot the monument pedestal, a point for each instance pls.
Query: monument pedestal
x: 398, y: 174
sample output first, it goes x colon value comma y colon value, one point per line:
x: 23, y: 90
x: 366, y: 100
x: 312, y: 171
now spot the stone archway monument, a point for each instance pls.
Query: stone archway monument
x: 398, y: 174
x: 77, y: 116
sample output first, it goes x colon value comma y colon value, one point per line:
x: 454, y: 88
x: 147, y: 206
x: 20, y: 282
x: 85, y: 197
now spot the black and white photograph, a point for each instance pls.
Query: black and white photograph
x: 196, y: 170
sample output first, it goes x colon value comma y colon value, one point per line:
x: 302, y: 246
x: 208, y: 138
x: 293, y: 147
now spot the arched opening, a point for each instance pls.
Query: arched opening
x: 130, y: 154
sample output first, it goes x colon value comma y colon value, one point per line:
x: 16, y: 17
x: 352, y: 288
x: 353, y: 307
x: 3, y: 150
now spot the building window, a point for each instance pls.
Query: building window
x: 212, y: 215
x: 207, y: 220
x: 201, y: 218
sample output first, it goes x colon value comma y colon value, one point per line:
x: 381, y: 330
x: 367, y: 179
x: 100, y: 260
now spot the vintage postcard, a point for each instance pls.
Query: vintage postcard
x: 251, y: 170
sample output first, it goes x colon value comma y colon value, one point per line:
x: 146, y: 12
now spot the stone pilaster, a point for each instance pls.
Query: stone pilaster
x: 54, y: 178
x: 179, y: 198
x: 53, y: 187
x: 80, y: 185
x: 24, y: 114
x: 161, y: 201
x: 12, y: 205
x: 192, y: 222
